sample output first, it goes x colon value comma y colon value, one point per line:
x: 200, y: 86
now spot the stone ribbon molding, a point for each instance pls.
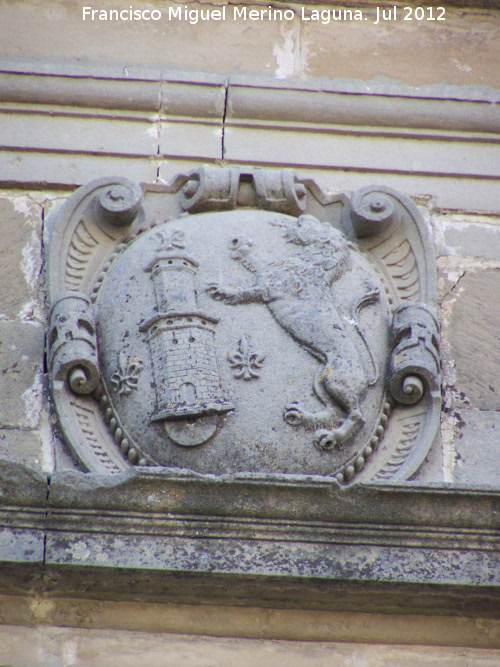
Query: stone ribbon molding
x: 238, y: 322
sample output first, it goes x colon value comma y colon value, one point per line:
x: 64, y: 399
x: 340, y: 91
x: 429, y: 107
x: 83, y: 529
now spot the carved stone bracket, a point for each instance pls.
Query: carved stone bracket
x: 415, y: 365
x: 214, y: 189
x: 72, y: 343
x: 147, y: 303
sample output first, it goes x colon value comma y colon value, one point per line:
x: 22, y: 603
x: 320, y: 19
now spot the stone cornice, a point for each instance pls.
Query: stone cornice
x: 81, y: 113
x: 164, y: 535
x: 380, y: 103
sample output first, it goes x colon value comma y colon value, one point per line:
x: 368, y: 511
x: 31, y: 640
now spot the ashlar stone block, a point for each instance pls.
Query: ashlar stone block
x: 21, y: 446
x: 21, y: 368
x: 476, y: 451
x: 20, y: 257
x: 474, y: 339
x: 472, y: 240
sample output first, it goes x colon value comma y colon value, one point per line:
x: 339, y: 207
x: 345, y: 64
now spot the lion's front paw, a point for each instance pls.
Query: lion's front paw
x: 293, y: 414
x: 326, y: 440
x: 213, y: 290
x: 226, y: 294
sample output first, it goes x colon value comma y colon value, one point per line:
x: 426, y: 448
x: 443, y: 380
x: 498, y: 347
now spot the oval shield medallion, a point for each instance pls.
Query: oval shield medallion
x: 259, y: 338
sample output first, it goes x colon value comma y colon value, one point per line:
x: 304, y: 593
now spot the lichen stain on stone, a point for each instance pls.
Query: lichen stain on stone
x: 78, y: 551
x: 30, y: 312
x: 33, y: 400
x: 31, y: 263
x: 288, y: 55
x: 47, y: 443
x: 487, y: 626
x: 100, y: 555
x: 448, y: 425
x: 41, y: 608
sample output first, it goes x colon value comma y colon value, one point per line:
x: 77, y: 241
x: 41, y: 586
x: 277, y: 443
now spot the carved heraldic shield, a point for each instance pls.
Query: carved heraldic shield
x: 241, y: 322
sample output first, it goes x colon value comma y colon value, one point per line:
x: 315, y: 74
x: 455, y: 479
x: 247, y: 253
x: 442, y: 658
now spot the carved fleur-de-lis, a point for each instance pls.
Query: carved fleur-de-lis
x: 169, y: 240
x: 126, y: 377
x: 245, y: 361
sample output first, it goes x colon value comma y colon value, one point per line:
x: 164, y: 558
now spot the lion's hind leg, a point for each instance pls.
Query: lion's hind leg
x: 327, y: 418
x: 341, y: 418
x: 295, y: 415
x: 326, y: 440
x: 346, y: 395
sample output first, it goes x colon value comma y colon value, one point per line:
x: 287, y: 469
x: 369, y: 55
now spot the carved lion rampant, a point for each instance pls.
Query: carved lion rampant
x: 297, y: 292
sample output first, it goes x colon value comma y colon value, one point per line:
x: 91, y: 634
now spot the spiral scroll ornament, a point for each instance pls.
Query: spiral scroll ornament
x: 72, y: 343
x: 213, y: 189
x: 414, y: 366
x: 371, y: 212
x: 120, y: 202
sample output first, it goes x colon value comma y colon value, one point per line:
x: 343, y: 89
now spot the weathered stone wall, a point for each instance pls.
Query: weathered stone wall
x: 25, y: 433
x: 468, y: 247
x: 459, y: 50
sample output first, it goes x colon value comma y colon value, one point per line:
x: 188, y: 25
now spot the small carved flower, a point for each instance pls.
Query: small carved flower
x: 169, y: 240
x: 245, y: 361
x: 126, y: 377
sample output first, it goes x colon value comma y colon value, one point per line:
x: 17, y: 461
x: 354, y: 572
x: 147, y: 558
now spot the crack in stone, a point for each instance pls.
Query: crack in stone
x: 453, y: 288
x: 158, y: 127
x: 226, y: 99
x: 44, y: 554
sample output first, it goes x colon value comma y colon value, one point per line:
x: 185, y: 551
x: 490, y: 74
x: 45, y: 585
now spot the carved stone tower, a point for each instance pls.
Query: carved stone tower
x: 182, y: 343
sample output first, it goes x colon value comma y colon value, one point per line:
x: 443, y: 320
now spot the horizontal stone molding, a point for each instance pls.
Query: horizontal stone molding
x: 357, y: 108
x: 61, y: 122
x: 174, y: 535
x: 189, y: 95
x: 199, y: 95
x: 32, y: 621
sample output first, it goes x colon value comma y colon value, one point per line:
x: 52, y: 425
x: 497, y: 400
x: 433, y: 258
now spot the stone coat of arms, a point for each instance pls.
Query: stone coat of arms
x: 241, y: 322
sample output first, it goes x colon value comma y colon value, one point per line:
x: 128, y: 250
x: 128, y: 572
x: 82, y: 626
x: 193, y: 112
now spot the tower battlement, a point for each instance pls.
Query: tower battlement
x: 181, y: 339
